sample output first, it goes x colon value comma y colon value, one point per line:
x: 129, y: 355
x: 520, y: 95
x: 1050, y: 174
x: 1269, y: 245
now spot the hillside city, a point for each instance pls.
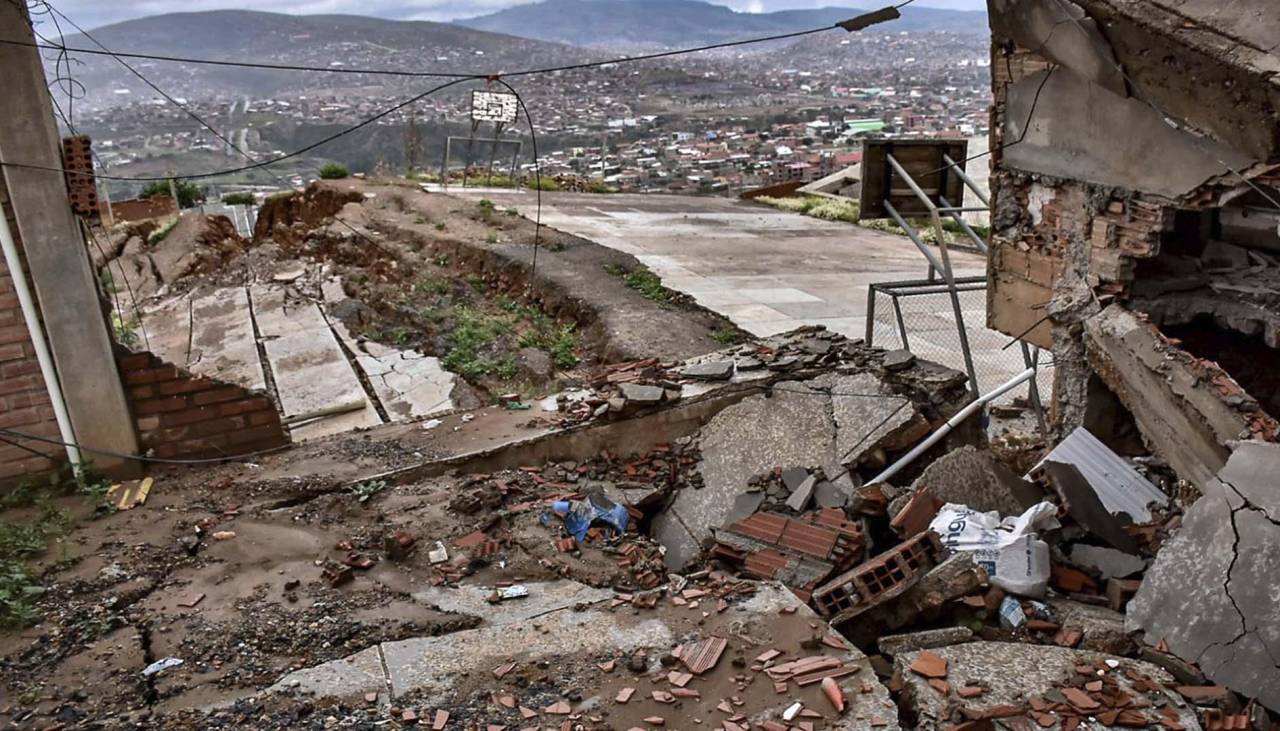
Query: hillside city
x: 692, y: 124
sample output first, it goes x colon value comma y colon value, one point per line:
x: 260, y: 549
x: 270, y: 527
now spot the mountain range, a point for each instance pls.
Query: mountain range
x: 682, y: 23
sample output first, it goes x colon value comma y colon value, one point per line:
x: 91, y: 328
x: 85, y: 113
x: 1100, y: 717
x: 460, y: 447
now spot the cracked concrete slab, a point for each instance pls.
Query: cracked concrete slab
x: 209, y: 334
x: 866, y: 423
x: 792, y: 428
x: 409, y: 385
x: 1012, y: 672
x: 544, y: 598
x: 438, y: 666
x: 1212, y: 593
x: 312, y: 375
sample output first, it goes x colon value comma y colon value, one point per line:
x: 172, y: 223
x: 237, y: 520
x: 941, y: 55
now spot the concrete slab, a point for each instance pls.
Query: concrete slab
x: 312, y: 375
x: 1211, y: 593
x: 434, y: 667
x: 794, y: 428
x: 210, y: 335
x: 865, y: 422
x: 770, y: 271
x: 544, y: 598
x: 1013, y: 672
x: 409, y: 385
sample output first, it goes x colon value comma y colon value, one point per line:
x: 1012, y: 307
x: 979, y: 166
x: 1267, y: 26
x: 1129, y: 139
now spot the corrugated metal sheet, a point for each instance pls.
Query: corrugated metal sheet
x: 1119, y: 486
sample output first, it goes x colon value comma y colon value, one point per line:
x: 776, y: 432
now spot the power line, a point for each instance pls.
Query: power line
x: 137, y: 458
x: 856, y: 23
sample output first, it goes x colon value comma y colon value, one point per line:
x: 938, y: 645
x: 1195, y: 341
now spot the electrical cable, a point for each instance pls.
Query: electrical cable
x: 202, y: 123
x: 537, y: 174
x: 441, y: 74
x: 848, y: 24
x: 138, y: 458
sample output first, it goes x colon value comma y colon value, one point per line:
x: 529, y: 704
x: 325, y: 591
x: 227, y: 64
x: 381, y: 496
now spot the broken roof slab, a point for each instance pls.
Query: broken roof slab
x: 1211, y: 593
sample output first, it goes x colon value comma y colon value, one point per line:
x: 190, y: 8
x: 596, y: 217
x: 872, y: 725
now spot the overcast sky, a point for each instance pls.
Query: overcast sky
x: 93, y: 13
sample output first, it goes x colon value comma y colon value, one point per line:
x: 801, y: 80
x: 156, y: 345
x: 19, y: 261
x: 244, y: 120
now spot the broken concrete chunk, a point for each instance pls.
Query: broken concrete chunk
x: 748, y: 438
x: 718, y: 370
x: 1014, y: 673
x: 1121, y: 489
x: 1210, y: 592
x: 896, y: 360
x: 869, y: 416
x: 803, y: 493
x: 975, y: 478
x: 640, y: 394
x: 893, y: 645
x: 1107, y: 562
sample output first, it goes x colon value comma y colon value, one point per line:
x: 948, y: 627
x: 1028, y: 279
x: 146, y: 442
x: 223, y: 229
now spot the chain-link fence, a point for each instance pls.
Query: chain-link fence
x: 919, y: 316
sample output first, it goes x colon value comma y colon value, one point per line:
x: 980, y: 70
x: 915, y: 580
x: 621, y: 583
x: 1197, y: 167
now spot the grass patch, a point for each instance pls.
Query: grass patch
x: 648, y: 284
x: 727, y: 335
x: 544, y: 183
x: 239, y: 199
x: 19, y: 589
x: 830, y: 209
x: 473, y: 332
x: 334, y: 171
x: 161, y: 233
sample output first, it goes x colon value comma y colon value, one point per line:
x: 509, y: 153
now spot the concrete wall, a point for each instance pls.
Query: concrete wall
x: 24, y: 400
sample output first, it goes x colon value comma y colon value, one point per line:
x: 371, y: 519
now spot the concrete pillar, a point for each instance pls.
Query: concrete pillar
x: 57, y: 261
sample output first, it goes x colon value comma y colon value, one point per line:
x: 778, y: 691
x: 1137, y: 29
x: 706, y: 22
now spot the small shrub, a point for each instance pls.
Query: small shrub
x: 189, y: 194
x: 599, y: 186
x: 367, y: 490
x: 726, y: 335
x: 239, y: 199
x: 491, y: 238
x: 544, y: 183
x: 334, y: 171
x: 161, y: 233
x: 441, y: 226
x: 564, y: 348
x: 125, y: 331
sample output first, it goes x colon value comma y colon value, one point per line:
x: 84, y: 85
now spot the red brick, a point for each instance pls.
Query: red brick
x: 19, y: 368
x: 28, y: 398
x: 137, y: 393
x: 149, y: 423
x: 14, y: 334
x: 160, y: 406
x: 185, y: 385
x: 21, y: 383
x: 12, y: 351
x: 262, y: 437
x: 151, y: 375
x: 221, y: 425
x: 188, y: 415
x: 264, y: 418
x: 218, y: 395
x: 137, y: 361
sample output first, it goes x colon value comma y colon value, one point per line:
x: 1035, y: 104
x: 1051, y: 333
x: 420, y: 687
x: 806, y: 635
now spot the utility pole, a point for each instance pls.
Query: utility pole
x: 74, y: 324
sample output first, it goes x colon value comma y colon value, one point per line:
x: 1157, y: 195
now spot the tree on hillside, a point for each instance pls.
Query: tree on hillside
x: 189, y: 194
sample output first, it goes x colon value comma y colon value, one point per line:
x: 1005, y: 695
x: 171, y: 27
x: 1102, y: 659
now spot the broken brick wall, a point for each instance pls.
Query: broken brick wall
x: 1088, y: 180
x: 180, y: 415
x: 25, y: 404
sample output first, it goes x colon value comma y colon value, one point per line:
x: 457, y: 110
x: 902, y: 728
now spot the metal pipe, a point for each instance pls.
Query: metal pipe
x: 951, y: 424
x: 973, y: 235
x: 871, y: 314
x: 967, y: 180
x: 911, y: 234
x: 47, y: 369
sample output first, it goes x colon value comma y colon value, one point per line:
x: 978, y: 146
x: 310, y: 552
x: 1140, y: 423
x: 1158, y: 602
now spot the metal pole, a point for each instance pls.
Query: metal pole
x: 967, y: 180
x: 902, y: 326
x: 973, y: 235
x: 871, y: 314
x: 466, y: 162
x: 945, y: 269
x: 1031, y: 357
x: 915, y: 238
x: 493, y: 150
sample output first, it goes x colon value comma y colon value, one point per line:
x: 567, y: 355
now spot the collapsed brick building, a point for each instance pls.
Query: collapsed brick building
x: 1135, y: 181
x: 1136, y: 232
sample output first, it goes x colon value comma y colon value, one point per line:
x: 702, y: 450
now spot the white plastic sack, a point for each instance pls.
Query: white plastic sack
x: 1009, y: 550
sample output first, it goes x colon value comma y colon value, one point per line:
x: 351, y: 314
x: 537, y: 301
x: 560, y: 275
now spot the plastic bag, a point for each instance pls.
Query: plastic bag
x: 1009, y: 550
